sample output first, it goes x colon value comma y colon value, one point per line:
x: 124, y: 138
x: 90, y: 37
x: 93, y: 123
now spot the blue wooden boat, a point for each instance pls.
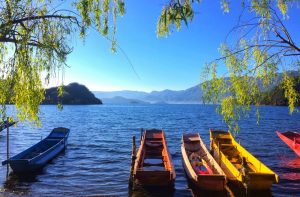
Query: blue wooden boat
x: 37, y: 156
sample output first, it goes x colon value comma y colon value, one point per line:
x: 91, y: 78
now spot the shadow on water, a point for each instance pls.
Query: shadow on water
x: 238, y: 190
x: 152, y: 191
x: 231, y: 190
x: 198, y: 192
x: 20, y: 183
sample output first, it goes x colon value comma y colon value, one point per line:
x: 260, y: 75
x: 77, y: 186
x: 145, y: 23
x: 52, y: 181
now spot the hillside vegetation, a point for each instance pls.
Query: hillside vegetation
x: 74, y: 94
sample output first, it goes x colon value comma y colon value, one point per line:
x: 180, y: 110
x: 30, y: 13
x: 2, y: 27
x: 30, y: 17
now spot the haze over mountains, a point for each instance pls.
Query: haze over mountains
x: 190, y: 95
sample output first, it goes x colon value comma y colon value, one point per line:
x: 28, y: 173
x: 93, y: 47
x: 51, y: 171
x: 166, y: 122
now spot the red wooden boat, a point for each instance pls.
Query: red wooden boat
x: 292, y: 139
x: 153, y: 165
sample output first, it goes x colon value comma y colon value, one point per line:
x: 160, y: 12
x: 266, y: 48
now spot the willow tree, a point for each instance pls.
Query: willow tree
x: 253, y: 53
x: 35, y: 39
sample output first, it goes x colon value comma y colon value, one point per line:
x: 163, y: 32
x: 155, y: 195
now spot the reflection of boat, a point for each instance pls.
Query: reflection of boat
x: 35, y: 157
x: 290, y: 163
x: 292, y: 139
x: 200, y: 166
x: 238, y: 164
x: 153, y: 165
x: 289, y: 168
x: 152, y: 191
x: 15, y: 183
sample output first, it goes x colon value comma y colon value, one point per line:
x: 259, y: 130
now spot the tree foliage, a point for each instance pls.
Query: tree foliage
x: 35, y: 39
x: 254, y: 51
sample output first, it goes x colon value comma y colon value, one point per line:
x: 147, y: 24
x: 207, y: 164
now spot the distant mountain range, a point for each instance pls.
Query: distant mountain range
x: 122, y: 100
x: 191, y: 95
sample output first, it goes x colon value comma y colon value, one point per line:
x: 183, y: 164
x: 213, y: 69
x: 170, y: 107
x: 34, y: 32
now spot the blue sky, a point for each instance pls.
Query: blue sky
x: 173, y: 63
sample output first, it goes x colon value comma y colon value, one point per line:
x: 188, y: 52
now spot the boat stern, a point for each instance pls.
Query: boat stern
x: 154, y: 178
x: 211, y: 182
x: 261, y: 181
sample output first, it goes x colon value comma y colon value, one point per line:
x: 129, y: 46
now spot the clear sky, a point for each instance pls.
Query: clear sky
x: 173, y: 63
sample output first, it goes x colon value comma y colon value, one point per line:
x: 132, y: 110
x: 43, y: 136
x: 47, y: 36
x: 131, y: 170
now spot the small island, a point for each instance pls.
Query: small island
x: 74, y: 94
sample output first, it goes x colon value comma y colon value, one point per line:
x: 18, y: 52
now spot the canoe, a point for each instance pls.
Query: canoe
x: 37, y: 156
x: 292, y: 139
x: 239, y: 165
x: 153, y: 165
x: 200, y: 167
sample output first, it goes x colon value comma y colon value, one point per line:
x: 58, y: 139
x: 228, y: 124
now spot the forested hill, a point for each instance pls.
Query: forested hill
x: 74, y: 94
x: 276, y: 95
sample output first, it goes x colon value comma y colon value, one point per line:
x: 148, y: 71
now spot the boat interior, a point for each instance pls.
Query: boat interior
x: 293, y: 136
x: 193, y: 151
x: 58, y: 133
x: 225, y: 143
x: 154, y: 155
x: 192, y: 147
x: 40, y: 148
x: 197, y: 154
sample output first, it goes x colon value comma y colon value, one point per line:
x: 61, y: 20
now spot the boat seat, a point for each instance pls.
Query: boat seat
x: 192, y: 149
x: 148, y: 162
x: 154, y: 144
x: 228, y: 148
x: 224, y: 141
x: 153, y: 168
x: 235, y: 160
x: 227, y: 145
x: 238, y: 166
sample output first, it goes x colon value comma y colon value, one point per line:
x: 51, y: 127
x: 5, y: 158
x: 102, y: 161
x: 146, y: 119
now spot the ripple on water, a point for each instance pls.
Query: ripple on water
x: 97, y: 160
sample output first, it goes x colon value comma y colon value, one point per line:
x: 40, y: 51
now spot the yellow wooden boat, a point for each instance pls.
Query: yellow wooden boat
x: 238, y: 164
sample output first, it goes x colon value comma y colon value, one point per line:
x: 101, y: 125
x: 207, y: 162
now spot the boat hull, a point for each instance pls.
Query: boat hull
x: 206, y: 182
x: 209, y: 182
x: 292, y: 143
x: 153, y: 164
x: 261, y: 178
x: 36, y: 157
x: 256, y: 181
x: 154, y: 178
x: 25, y: 166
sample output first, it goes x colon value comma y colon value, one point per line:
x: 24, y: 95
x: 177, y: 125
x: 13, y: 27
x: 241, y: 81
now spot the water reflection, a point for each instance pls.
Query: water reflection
x: 98, y: 156
x: 19, y: 184
x: 290, y: 162
x: 291, y: 168
x: 197, y: 192
x: 237, y: 190
x: 152, y: 191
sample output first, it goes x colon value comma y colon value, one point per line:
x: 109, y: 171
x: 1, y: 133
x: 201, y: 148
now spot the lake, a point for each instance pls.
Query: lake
x: 97, y: 159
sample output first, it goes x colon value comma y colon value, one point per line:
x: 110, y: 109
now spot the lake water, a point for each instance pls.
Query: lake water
x: 97, y: 159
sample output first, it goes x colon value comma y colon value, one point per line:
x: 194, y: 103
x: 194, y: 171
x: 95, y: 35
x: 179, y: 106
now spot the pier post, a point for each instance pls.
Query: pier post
x: 7, y: 147
x: 142, y: 130
x: 133, y: 157
x: 133, y: 153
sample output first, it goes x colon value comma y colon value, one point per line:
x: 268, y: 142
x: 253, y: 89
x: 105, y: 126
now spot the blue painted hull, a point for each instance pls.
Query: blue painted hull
x: 37, y: 156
